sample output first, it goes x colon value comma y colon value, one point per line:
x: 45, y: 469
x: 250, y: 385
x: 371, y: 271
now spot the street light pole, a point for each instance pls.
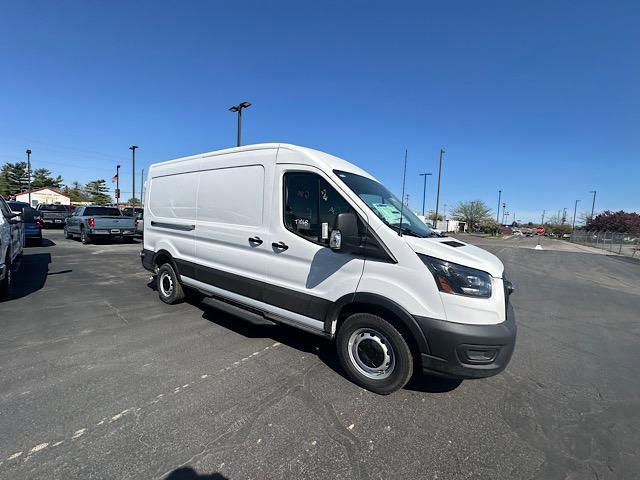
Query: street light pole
x: 504, y: 210
x: 29, y: 173
x: 435, y: 218
x: 424, y: 190
x: 133, y: 172
x: 498, y: 212
x: 238, y: 108
x: 117, y: 184
x: 593, y: 204
x: 575, y: 208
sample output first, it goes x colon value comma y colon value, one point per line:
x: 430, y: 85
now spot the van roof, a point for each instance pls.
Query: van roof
x: 322, y: 160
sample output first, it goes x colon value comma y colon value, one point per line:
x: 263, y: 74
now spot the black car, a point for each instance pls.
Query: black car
x: 53, y: 215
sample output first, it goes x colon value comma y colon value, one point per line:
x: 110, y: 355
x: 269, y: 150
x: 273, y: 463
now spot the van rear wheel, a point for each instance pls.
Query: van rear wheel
x: 374, y: 353
x: 169, y: 289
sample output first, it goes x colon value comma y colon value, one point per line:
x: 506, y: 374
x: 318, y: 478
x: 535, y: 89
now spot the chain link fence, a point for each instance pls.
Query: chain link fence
x: 614, y: 242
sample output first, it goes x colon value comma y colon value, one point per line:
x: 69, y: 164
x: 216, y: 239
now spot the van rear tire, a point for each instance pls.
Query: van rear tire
x: 169, y: 289
x: 374, y: 353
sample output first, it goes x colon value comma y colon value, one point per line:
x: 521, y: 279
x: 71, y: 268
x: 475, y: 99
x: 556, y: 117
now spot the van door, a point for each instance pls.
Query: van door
x: 305, y: 275
x: 231, y: 222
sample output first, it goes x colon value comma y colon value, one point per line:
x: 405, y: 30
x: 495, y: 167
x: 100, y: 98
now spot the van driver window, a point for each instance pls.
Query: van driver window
x: 310, y: 201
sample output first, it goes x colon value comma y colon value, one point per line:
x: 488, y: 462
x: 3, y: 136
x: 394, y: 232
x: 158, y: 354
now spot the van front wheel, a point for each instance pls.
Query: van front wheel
x: 169, y: 289
x: 374, y: 353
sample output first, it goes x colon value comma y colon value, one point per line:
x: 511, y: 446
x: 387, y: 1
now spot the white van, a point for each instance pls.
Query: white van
x: 297, y: 236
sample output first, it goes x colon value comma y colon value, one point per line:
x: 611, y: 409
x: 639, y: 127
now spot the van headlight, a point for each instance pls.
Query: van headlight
x: 457, y: 279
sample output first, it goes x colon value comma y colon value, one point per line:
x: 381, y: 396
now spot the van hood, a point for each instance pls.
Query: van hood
x: 453, y: 250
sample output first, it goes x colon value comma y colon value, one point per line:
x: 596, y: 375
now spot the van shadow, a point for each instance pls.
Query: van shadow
x: 188, y: 473
x: 32, y: 275
x: 324, y: 264
x: 321, y: 347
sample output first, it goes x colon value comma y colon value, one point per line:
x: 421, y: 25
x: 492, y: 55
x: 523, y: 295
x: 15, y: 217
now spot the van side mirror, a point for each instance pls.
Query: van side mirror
x: 344, y: 236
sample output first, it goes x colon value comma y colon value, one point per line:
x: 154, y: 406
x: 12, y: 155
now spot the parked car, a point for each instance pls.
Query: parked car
x: 90, y: 223
x: 300, y: 237
x: 53, y: 215
x: 139, y: 223
x: 31, y: 220
x: 11, y: 242
x: 132, y: 211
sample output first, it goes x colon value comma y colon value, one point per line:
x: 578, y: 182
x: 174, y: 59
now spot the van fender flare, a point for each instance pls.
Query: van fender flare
x: 375, y: 300
x: 171, y: 260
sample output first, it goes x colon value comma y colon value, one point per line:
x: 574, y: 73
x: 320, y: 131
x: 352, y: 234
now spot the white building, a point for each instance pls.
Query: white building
x: 449, y: 226
x: 43, y: 195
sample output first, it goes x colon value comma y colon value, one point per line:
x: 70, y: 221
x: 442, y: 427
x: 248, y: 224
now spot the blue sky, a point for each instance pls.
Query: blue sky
x: 539, y: 99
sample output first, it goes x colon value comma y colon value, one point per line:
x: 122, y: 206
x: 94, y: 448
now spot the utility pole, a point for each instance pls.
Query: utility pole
x: 593, y: 204
x: 498, y: 212
x: 424, y: 190
x: 133, y: 172
x: 575, y: 208
x: 435, y: 218
x: 141, y: 187
x: 29, y: 173
x: 117, y: 184
x: 542, y: 223
x: 504, y: 210
x: 564, y: 215
x: 238, y: 108
x: 406, y: 200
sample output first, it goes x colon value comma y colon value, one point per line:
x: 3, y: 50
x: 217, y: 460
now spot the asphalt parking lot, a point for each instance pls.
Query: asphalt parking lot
x: 99, y: 379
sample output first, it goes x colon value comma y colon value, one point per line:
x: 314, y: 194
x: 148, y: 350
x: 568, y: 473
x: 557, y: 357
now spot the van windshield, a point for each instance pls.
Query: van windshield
x: 385, y: 205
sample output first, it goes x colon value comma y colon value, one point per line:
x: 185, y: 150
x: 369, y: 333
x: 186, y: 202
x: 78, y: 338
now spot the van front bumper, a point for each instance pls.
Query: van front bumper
x: 462, y: 351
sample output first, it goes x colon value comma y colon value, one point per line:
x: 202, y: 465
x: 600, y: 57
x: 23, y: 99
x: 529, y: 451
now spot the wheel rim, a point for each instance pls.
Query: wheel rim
x: 166, y: 284
x: 371, y: 353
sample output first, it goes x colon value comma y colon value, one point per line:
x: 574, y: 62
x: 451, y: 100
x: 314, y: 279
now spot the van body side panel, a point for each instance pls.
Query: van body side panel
x: 234, y: 196
x: 171, y: 213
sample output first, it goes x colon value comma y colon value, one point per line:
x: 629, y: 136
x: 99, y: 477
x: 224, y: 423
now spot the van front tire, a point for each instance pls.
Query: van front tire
x: 374, y: 353
x: 169, y: 289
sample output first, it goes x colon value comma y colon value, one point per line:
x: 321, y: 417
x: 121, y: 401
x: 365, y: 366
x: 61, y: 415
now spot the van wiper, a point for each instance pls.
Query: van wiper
x: 404, y: 229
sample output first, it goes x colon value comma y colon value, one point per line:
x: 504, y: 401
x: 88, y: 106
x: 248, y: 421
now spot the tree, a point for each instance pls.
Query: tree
x: 489, y: 225
x: 42, y: 178
x: 14, y: 178
x: 431, y: 215
x: 76, y: 192
x: 133, y: 201
x: 615, y: 222
x: 97, y: 192
x: 471, y: 212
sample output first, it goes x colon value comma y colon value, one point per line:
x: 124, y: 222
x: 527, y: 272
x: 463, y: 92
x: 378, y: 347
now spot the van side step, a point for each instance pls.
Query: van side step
x: 242, y: 312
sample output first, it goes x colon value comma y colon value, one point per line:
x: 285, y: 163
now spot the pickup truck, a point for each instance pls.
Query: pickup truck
x: 52, y: 215
x: 91, y: 223
x: 11, y: 242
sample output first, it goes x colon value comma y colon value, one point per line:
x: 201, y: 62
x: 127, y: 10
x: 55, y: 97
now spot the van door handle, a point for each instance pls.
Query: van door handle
x: 255, y: 240
x: 280, y: 245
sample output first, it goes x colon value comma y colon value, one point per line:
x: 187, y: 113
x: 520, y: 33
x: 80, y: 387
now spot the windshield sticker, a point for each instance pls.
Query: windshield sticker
x: 387, y: 212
